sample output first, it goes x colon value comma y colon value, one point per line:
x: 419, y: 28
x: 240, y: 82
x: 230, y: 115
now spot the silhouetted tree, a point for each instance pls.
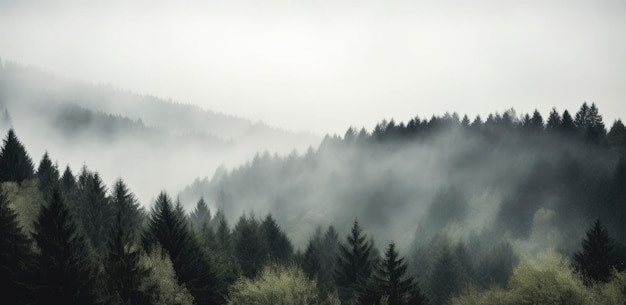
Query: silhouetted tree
x: 354, y: 265
x: 16, y: 257
x: 568, y: 126
x: 126, y: 206
x: 47, y: 174
x: 15, y: 163
x: 124, y: 275
x: 278, y: 245
x: 393, y: 283
x: 250, y: 246
x: 617, y: 135
x: 201, y: 215
x: 96, y: 212
x: 596, y: 259
x: 168, y: 227
x: 64, y: 269
x: 554, y: 121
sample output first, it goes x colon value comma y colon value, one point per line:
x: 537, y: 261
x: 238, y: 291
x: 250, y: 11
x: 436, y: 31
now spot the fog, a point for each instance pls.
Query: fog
x: 152, y: 144
x: 321, y: 66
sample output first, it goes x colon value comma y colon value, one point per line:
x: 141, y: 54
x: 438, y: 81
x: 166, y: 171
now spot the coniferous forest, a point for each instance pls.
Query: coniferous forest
x: 509, y: 209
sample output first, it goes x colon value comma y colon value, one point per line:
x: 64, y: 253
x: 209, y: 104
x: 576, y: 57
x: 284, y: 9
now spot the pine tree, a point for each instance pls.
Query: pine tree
x: 124, y: 203
x: 568, y: 126
x: 124, y: 275
x: 15, y: 164
x: 392, y: 281
x: 617, y: 135
x: 64, y: 268
x: 554, y: 121
x: 48, y: 175
x: 201, y: 216
x: 168, y: 227
x: 250, y: 246
x: 16, y: 256
x: 354, y: 265
x: 597, y: 258
x: 96, y: 211
x: 278, y: 245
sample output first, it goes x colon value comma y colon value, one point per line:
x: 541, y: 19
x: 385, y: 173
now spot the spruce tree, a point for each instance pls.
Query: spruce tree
x: 15, y: 163
x: 124, y: 203
x: 278, y: 245
x: 201, y: 215
x: 568, y: 127
x: 354, y: 265
x: 96, y: 211
x: 250, y: 246
x: 64, y: 268
x: 48, y: 175
x: 124, y: 275
x: 168, y: 227
x: 393, y: 283
x: 554, y: 121
x: 16, y: 256
x: 597, y: 258
x: 617, y: 135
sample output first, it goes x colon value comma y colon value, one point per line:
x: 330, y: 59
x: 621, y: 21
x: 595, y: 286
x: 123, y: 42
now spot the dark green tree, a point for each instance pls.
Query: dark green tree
x: 168, y: 227
x: 554, y: 121
x: 16, y: 256
x: 617, y: 135
x: 124, y: 276
x: 445, y: 277
x: 597, y: 258
x: 96, y: 212
x: 15, y: 163
x: 47, y: 174
x: 64, y: 268
x: 69, y: 188
x: 568, y: 127
x: 279, y: 247
x: 126, y: 206
x: 250, y: 246
x: 201, y: 215
x: 354, y: 265
x: 393, y: 283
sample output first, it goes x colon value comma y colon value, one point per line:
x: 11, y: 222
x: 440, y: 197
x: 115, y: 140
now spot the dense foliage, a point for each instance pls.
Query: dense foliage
x: 69, y: 239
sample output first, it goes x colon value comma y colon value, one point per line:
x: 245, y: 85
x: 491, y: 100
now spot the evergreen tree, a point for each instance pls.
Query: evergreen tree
x: 554, y: 121
x: 16, y: 257
x: 124, y: 275
x: 48, y: 175
x: 64, y: 268
x: 568, y: 126
x: 126, y: 206
x: 15, y: 163
x: 354, y: 265
x: 250, y: 246
x: 393, y: 283
x: 96, y: 211
x: 201, y: 216
x: 69, y: 188
x: 595, y: 261
x: 617, y: 134
x: 168, y: 227
x: 278, y: 245
x: 445, y: 277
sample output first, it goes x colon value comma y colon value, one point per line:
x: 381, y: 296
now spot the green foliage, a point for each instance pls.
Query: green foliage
x: 354, y: 265
x: 25, y: 199
x: 16, y: 256
x: 47, y: 174
x: 278, y: 286
x: 15, y: 163
x: 250, y: 246
x: 392, y: 283
x: 95, y: 210
x: 124, y: 276
x: 597, y: 257
x: 279, y: 247
x: 163, y: 278
x: 64, y: 269
x: 168, y: 227
x: 201, y: 215
x: 126, y: 206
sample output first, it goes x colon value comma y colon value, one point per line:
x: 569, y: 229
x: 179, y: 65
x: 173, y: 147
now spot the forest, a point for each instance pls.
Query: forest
x: 512, y: 209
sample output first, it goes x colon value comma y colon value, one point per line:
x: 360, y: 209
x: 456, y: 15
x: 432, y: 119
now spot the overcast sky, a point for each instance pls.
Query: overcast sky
x: 323, y: 65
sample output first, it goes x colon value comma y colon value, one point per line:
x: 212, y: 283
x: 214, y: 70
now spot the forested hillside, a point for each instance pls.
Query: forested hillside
x: 441, y: 211
x: 125, y: 134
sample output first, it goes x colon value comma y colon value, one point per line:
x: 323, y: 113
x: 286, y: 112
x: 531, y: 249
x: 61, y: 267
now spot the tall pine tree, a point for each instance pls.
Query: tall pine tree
x: 16, y: 256
x: 47, y: 174
x: 354, y: 265
x: 64, y: 268
x: 15, y: 163
x: 597, y: 257
x: 393, y: 283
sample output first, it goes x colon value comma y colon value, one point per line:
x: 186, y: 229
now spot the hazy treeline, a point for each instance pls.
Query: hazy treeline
x: 497, y: 190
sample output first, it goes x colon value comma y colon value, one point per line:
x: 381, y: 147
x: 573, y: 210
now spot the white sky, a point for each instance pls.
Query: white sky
x: 327, y: 64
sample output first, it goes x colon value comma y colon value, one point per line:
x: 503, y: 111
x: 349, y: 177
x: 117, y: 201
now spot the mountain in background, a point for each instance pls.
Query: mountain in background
x: 150, y: 142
